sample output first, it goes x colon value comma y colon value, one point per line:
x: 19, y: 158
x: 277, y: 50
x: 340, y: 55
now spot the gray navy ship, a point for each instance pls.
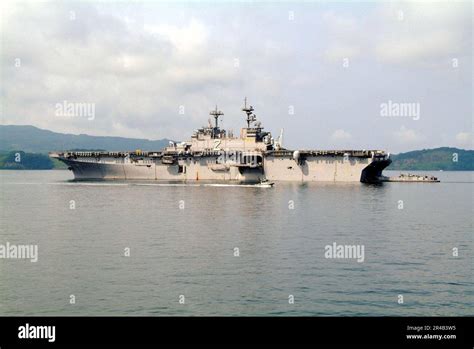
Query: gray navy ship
x: 215, y: 155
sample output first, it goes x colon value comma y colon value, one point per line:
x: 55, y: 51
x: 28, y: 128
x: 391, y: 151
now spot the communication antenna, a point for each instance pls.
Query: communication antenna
x: 216, y: 113
x: 248, y: 110
x: 280, y: 139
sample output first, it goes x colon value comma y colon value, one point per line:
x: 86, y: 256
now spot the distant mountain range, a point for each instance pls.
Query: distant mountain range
x: 35, y: 140
x: 34, y: 144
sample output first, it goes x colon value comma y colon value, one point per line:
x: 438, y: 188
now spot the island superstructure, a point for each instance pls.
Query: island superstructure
x: 214, y: 154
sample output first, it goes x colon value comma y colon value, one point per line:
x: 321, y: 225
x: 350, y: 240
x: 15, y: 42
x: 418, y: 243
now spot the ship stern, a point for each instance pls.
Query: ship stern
x: 373, y: 172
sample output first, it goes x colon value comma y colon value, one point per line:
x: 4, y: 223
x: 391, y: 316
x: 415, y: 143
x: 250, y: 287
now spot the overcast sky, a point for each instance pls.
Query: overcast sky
x: 322, y: 71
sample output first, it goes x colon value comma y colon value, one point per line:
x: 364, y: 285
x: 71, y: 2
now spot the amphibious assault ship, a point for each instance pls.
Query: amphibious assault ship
x: 213, y: 154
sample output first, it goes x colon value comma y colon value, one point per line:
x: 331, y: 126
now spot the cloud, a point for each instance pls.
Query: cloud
x: 346, y: 36
x: 140, y: 63
x: 341, y: 135
x: 422, y: 32
x: 186, y: 39
x: 336, y: 53
x: 405, y: 135
x: 416, y: 48
x: 95, y: 56
x: 464, y: 139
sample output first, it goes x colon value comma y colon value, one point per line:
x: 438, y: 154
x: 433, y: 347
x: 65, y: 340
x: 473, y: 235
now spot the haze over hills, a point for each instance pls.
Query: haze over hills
x: 35, y: 143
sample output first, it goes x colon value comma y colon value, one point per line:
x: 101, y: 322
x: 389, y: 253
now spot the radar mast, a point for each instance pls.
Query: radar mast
x: 249, y: 111
x: 216, y: 113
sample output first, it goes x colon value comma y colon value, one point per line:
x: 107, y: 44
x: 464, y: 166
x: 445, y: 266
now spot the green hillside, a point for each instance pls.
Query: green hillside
x: 434, y: 160
x: 33, y: 144
x: 19, y: 160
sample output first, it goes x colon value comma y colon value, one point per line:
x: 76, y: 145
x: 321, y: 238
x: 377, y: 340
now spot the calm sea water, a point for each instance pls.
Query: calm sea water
x: 182, y: 241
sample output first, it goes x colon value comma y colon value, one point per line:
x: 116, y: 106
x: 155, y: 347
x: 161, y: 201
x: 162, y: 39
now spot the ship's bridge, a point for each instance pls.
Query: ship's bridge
x: 252, y: 137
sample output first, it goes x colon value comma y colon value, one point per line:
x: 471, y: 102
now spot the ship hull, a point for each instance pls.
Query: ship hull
x: 315, y: 169
x: 273, y: 168
x: 188, y: 170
